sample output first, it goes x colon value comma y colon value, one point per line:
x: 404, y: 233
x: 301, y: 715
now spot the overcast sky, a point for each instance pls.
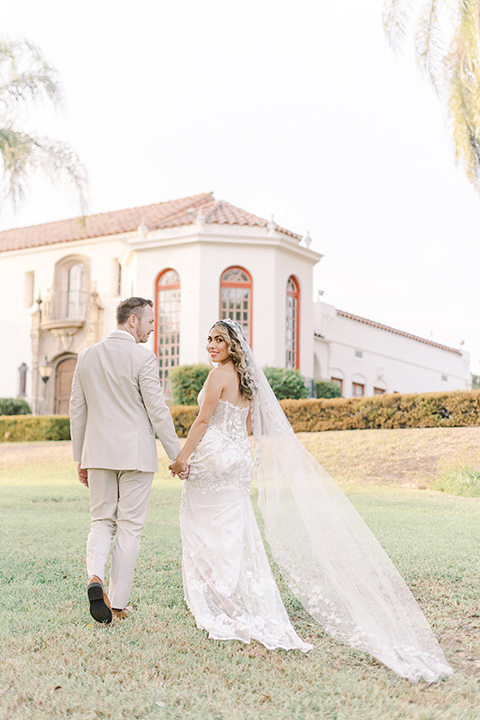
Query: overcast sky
x: 300, y: 110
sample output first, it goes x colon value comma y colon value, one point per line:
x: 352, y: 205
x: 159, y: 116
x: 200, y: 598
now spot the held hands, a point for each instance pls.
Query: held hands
x: 179, y: 468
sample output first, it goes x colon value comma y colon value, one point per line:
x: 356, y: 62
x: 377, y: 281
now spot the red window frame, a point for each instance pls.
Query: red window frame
x: 248, y: 285
x: 294, y: 297
x: 356, y: 385
x: 338, y: 382
x: 160, y: 287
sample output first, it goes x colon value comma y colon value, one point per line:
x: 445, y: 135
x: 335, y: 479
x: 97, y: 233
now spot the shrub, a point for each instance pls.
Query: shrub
x: 14, y: 406
x: 448, y: 409
x: 28, y: 428
x: 186, y: 382
x: 57, y: 427
x: 327, y: 389
x: 286, y: 383
x: 183, y: 417
x: 463, y: 480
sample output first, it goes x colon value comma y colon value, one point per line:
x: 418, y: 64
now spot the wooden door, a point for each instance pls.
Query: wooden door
x: 63, y: 385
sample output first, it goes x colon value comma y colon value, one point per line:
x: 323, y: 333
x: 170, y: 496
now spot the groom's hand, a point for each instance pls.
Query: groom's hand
x: 184, y: 475
x: 82, y: 475
x: 177, y: 468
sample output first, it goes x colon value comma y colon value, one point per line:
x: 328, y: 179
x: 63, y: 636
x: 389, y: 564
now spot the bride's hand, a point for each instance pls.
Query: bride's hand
x: 184, y: 475
x: 177, y: 468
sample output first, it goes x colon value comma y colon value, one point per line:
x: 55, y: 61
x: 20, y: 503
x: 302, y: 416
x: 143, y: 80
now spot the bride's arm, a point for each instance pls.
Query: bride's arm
x: 213, y: 389
x: 249, y: 421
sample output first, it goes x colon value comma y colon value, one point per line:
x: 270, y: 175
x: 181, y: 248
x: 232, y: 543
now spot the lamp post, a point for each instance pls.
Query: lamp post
x: 45, y: 372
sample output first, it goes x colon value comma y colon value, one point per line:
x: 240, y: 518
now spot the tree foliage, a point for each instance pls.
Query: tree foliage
x: 26, y: 79
x: 186, y: 382
x: 447, y: 47
x: 327, y: 389
x: 286, y: 384
x: 14, y: 406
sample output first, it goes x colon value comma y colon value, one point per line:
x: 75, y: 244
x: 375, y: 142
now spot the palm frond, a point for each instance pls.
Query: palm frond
x: 22, y: 154
x: 396, y: 15
x: 430, y: 43
x: 463, y: 73
x: 25, y: 74
x: 447, y: 47
x: 61, y: 162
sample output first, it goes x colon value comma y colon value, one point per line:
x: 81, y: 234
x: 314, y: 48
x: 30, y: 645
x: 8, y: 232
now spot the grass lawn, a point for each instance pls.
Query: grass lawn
x: 55, y: 662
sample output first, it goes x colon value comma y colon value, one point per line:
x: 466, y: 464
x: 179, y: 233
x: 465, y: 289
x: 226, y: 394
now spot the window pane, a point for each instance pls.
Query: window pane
x: 235, y: 302
x: 291, y: 326
x: 168, y: 322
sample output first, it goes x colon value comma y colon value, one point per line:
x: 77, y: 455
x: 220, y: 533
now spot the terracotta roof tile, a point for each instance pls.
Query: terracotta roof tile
x: 397, y: 332
x: 171, y: 213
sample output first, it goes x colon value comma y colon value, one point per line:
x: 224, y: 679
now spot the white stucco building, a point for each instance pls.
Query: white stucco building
x: 364, y: 357
x: 198, y: 259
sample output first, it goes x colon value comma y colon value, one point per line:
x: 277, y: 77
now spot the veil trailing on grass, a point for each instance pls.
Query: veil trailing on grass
x: 328, y: 556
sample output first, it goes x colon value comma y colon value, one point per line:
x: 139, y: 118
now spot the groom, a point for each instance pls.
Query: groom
x: 115, y: 408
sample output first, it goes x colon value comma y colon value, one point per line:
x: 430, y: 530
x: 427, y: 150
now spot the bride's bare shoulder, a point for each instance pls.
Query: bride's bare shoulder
x: 221, y: 371
x: 222, y: 376
x: 216, y: 376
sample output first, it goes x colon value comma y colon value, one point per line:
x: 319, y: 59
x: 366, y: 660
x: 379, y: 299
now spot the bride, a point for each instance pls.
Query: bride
x: 329, y: 558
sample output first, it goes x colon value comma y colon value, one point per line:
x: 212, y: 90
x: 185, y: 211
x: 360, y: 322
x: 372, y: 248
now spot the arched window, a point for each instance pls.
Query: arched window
x: 292, y: 324
x: 236, y: 298
x: 167, y: 313
x: 75, y: 291
x: 68, y: 301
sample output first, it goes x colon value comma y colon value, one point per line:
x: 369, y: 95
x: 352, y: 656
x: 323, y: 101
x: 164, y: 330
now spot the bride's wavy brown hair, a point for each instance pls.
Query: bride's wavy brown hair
x: 238, y: 356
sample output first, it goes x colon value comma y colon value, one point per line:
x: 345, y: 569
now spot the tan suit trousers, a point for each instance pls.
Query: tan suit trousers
x: 118, y: 509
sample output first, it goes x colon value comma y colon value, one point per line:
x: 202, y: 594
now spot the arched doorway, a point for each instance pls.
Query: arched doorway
x: 63, y: 384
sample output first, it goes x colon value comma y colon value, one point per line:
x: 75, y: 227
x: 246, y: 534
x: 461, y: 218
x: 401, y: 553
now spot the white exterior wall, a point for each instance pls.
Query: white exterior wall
x: 201, y: 255
x: 392, y: 362
x: 17, y: 320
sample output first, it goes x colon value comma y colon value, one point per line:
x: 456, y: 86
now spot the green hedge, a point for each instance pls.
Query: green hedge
x: 183, y: 417
x: 14, y: 406
x: 186, y: 382
x: 26, y: 428
x: 327, y: 389
x: 448, y: 409
x: 286, y: 383
x: 22, y: 428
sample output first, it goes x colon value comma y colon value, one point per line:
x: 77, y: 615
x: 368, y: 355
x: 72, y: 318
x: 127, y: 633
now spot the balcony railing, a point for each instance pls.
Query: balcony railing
x: 64, y: 309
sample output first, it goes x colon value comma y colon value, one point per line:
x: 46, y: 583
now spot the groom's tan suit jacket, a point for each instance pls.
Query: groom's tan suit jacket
x: 117, y: 405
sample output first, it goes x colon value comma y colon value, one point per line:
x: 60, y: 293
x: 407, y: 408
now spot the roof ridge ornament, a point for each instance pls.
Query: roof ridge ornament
x: 307, y: 239
x: 271, y: 225
x: 143, y: 230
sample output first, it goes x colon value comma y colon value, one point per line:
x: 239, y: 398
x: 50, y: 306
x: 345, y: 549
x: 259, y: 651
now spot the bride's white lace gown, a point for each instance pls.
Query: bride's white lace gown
x: 329, y: 558
x: 228, y: 583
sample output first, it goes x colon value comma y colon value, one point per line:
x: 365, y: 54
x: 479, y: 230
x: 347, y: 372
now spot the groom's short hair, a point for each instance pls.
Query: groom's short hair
x: 132, y: 305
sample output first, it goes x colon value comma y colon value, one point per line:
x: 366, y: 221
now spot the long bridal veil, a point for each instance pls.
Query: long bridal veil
x: 328, y: 556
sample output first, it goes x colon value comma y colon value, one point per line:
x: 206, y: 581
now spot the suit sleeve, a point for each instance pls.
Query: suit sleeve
x: 78, y: 416
x: 157, y: 410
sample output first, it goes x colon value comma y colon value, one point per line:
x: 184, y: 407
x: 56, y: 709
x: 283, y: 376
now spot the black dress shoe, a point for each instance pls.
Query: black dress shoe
x: 100, y: 608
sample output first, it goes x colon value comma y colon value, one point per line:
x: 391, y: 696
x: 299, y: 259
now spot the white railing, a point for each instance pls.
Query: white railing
x: 65, y: 306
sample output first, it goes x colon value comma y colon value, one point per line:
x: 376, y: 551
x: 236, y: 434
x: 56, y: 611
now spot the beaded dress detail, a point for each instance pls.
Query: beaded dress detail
x: 228, y: 583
